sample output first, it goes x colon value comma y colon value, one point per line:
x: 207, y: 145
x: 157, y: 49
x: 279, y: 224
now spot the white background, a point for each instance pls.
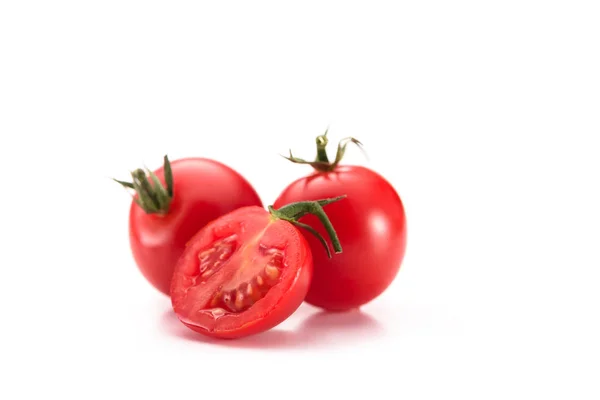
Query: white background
x: 484, y: 115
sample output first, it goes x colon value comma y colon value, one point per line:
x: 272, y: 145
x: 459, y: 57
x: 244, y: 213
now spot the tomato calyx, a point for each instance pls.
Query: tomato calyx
x: 152, y: 196
x: 321, y: 162
x: 294, y: 211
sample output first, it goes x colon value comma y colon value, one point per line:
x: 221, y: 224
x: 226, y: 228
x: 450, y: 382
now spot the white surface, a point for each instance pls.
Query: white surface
x: 482, y: 114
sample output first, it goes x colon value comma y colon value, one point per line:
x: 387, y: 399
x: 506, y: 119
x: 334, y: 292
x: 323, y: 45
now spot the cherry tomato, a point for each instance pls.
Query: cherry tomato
x: 370, y: 223
x: 164, y: 217
x: 242, y: 274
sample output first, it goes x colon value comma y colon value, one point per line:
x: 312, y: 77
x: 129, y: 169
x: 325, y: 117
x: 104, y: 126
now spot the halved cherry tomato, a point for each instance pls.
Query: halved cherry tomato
x: 172, y: 203
x: 245, y: 272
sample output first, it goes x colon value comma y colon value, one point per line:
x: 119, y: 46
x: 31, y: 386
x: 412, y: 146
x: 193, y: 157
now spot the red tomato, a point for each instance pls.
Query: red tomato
x: 202, y: 191
x: 370, y: 223
x: 242, y: 274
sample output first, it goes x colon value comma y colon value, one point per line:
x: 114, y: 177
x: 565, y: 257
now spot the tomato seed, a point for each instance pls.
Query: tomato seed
x: 239, y: 301
x: 272, y: 272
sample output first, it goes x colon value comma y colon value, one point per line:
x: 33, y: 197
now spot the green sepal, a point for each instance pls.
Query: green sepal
x: 168, y: 175
x: 152, y: 196
x: 321, y: 162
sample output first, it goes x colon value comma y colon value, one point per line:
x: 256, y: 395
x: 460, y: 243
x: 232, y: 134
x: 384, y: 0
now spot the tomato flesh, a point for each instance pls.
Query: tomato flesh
x: 242, y: 274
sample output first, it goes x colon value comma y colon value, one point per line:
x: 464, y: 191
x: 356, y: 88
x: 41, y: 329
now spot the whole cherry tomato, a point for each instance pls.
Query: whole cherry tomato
x: 370, y: 223
x: 247, y: 271
x: 172, y: 204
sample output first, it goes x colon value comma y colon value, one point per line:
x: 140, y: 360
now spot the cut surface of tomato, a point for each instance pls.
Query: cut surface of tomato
x: 241, y: 274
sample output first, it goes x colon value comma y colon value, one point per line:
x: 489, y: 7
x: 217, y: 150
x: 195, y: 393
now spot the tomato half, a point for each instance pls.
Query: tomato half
x: 242, y: 274
x: 202, y: 190
x: 370, y: 223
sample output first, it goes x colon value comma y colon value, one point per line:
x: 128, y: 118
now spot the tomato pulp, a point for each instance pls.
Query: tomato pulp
x: 242, y: 274
x: 371, y: 224
x: 202, y: 190
x: 247, y: 271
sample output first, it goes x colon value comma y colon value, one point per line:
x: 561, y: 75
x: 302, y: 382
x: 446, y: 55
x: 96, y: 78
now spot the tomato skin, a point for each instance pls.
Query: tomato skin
x: 278, y: 304
x: 371, y: 225
x: 203, y: 190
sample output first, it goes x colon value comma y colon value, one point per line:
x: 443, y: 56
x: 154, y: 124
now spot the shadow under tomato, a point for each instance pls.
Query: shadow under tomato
x: 319, y: 329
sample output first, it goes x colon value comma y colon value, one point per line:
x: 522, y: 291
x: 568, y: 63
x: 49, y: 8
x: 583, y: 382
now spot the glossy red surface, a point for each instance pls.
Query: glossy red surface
x: 203, y: 191
x: 371, y: 226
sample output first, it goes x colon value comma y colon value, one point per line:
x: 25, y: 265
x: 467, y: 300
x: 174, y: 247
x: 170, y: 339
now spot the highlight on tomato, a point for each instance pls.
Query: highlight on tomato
x: 172, y: 203
x: 371, y: 223
x: 249, y: 270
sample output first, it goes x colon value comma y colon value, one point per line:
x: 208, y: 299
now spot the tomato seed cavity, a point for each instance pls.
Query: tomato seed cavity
x: 247, y: 293
x: 213, y: 259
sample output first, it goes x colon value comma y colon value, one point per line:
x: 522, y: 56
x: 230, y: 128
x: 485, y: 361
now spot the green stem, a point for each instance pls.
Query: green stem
x: 321, y: 149
x: 294, y: 211
x: 321, y: 162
